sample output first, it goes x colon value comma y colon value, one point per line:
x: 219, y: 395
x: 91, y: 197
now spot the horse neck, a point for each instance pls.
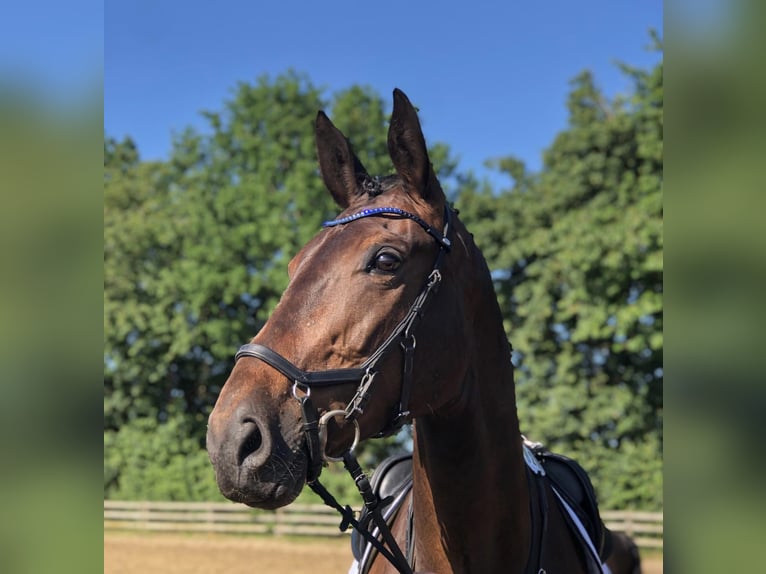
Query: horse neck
x: 471, y: 504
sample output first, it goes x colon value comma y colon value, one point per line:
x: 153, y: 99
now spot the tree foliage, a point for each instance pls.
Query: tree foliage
x: 196, y: 249
x: 149, y: 460
x: 577, y: 255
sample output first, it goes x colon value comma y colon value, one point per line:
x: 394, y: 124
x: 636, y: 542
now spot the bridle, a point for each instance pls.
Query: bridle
x: 364, y: 375
x: 315, y: 426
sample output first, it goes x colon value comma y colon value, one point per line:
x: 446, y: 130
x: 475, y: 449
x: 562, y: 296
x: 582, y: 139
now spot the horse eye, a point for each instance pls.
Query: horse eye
x: 386, y: 262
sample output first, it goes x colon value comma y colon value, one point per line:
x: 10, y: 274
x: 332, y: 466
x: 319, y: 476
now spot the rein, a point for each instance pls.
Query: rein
x: 315, y: 426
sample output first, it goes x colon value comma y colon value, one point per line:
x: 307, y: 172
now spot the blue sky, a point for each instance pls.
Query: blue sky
x: 490, y: 78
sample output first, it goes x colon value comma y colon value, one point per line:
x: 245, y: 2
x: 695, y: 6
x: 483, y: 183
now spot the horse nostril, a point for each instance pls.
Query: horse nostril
x: 253, y: 441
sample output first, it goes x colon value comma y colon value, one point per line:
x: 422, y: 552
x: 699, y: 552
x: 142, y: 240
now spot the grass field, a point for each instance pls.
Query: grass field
x: 133, y: 553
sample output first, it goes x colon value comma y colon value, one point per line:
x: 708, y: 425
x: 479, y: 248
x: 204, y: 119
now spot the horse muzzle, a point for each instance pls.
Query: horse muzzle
x: 259, y: 459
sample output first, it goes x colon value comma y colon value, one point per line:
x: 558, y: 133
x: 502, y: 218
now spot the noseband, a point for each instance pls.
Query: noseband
x: 364, y: 374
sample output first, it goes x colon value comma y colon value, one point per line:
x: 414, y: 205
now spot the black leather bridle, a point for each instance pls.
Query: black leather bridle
x: 364, y: 375
x: 314, y: 426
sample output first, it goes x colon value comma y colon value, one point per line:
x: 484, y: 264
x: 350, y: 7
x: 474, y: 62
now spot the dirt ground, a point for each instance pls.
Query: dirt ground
x: 209, y: 554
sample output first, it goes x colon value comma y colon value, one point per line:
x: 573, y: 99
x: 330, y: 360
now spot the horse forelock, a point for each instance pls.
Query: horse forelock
x: 374, y: 186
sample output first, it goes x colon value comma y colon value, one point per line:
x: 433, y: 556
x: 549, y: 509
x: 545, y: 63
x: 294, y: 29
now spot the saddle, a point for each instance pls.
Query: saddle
x: 392, y: 482
x: 574, y: 485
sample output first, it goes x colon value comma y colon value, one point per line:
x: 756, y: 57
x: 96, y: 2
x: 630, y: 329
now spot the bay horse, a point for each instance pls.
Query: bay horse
x: 390, y: 316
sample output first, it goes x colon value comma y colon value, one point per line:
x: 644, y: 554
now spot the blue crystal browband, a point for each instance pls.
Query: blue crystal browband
x: 395, y: 213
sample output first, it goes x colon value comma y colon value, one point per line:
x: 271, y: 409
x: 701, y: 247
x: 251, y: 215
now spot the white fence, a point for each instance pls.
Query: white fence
x: 645, y: 528
x: 301, y: 519
x: 295, y: 519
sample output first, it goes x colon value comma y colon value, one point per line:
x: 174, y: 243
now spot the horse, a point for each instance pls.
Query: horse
x: 390, y: 317
x: 624, y: 557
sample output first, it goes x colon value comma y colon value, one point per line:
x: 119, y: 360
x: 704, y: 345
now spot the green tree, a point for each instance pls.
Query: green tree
x: 196, y: 248
x: 577, y: 255
x: 138, y: 244
x: 148, y: 460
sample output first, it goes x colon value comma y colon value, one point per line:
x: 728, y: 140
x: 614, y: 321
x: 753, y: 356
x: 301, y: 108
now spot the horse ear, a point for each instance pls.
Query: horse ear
x: 340, y: 168
x: 407, y: 148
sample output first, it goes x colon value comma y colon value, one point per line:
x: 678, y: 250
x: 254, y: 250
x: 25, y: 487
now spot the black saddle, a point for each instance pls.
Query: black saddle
x: 392, y: 482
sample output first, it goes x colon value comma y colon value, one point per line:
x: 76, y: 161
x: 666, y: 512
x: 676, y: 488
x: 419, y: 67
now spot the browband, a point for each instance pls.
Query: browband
x: 396, y: 213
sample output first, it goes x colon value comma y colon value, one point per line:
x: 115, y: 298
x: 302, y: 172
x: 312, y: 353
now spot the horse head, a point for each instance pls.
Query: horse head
x: 367, y: 334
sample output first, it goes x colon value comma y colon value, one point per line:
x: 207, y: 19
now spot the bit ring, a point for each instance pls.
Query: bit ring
x: 323, y: 420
